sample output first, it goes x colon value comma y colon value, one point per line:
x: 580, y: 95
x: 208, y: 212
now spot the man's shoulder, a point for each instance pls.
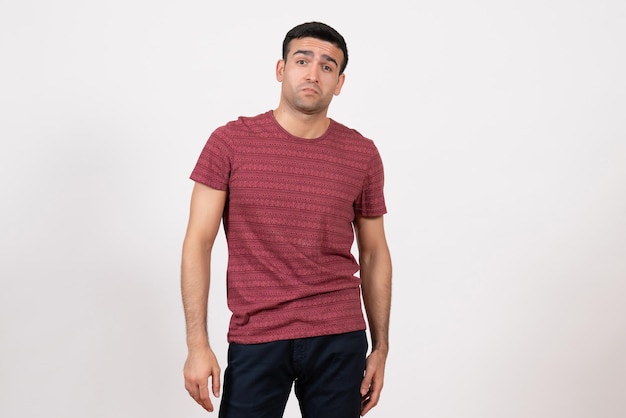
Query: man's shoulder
x: 351, y: 136
x: 241, y: 130
x: 246, y: 124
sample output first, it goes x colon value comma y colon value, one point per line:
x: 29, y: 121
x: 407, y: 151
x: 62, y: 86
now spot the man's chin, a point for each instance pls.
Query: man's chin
x: 310, y: 108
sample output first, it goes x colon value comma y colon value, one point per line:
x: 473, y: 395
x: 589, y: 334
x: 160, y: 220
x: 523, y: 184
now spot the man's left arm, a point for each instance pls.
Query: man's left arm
x: 375, y: 266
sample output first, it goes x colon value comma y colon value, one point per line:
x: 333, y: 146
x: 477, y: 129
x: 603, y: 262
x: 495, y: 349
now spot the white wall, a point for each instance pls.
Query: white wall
x: 502, y: 127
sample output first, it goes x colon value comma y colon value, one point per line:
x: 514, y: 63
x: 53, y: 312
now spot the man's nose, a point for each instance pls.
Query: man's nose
x: 313, y: 74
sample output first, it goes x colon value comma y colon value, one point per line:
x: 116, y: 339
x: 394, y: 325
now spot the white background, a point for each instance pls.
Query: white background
x: 502, y: 128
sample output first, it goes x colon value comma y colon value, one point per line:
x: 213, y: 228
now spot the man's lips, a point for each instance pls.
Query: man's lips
x: 310, y: 90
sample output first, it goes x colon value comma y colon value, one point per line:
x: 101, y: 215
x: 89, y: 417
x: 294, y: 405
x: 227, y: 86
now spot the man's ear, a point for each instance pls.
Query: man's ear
x: 342, y: 79
x: 280, y: 70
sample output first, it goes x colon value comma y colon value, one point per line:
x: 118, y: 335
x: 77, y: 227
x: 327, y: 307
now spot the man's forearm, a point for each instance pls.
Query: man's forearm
x: 376, y: 288
x: 195, y: 280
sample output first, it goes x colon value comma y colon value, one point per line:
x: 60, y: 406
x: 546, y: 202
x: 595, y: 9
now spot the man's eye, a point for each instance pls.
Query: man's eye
x: 327, y: 68
x: 300, y: 62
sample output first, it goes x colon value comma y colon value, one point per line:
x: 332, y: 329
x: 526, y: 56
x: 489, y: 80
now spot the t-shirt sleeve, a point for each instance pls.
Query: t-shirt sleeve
x: 371, y: 201
x: 214, y: 164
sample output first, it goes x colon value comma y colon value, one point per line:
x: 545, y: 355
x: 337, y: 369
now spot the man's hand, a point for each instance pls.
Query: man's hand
x: 372, y: 383
x: 201, y: 365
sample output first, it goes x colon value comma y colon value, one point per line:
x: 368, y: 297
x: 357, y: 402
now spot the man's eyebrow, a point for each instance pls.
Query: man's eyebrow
x: 310, y: 54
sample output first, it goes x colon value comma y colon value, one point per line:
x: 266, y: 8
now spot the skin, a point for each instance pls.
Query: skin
x: 375, y: 273
x: 310, y: 78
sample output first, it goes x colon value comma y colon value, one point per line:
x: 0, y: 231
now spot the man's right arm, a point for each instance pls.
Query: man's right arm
x: 207, y: 207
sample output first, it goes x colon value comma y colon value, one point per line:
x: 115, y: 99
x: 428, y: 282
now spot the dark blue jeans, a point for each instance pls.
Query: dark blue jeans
x: 327, y: 372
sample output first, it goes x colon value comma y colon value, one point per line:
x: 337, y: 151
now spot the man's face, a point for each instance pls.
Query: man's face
x: 310, y: 75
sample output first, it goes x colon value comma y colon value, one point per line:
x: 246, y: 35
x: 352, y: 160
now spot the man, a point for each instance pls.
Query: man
x: 290, y: 185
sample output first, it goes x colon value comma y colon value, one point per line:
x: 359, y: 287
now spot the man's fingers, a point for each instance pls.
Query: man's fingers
x: 200, y: 367
x: 370, y: 400
x: 216, y: 384
x: 366, y: 383
x: 200, y: 393
x: 371, y: 388
x: 204, y: 399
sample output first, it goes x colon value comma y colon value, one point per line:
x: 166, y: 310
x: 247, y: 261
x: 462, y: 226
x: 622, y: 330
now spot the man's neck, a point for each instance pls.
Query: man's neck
x: 302, y: 125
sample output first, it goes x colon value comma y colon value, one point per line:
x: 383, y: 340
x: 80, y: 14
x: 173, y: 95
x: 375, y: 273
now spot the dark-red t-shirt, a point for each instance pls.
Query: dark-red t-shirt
x: 288, y: 223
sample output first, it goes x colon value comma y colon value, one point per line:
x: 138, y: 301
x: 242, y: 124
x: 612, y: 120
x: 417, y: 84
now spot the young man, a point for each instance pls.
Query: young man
x: 290, y: 185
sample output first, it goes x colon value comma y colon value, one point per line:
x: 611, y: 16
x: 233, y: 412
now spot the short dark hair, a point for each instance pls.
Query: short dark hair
x: 319, y: 31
